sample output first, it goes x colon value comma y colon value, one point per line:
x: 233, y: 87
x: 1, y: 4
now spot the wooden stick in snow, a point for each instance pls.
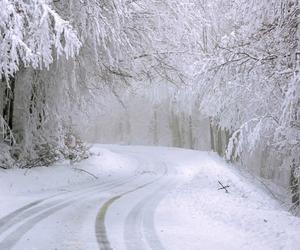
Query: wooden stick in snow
x: 223, y: 187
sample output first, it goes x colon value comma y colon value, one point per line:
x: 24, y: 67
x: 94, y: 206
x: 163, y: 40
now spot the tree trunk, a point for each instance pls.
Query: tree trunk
x: 294, y: 184
x: 8, y: 107
x: 212, y: 139
x: 191, y: 134
x: 155, y: 127
x: 295, y: 178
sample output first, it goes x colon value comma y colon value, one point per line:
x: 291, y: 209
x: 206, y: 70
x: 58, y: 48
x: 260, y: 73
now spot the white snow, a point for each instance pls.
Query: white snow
x: 196, y: 215
x: 190, y: 214
x: 20, y: 186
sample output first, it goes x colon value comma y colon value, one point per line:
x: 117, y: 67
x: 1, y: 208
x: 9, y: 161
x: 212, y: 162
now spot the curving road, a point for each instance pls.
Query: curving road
x: 117, y: 213
x: 157, y: 198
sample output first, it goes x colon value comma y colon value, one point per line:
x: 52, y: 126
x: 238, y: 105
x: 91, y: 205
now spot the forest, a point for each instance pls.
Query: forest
x: 218, y: 75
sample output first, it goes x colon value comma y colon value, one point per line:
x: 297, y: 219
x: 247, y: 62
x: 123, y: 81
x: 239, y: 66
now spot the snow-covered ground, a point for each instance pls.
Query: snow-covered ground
x: 18, y: 187
x: 199, y: 216
x: 126, y: 197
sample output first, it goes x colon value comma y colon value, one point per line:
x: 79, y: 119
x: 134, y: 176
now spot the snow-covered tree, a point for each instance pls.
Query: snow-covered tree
x: 48, y: 82
x: 30, y: 32
x: 32, y: 35
x: 249, y: 86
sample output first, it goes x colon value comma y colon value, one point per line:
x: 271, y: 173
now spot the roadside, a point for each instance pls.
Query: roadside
x: 138, y: 197
x: 205, y: 216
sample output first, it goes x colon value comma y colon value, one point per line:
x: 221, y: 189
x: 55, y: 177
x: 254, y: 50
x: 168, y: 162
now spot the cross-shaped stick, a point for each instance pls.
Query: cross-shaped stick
x: 223, y: 187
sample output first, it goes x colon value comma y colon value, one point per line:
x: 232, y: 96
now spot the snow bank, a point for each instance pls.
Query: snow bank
x: 207, y: 218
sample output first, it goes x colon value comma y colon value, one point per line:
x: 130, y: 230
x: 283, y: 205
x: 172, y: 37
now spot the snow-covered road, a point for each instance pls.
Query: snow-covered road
x: 143, y: 198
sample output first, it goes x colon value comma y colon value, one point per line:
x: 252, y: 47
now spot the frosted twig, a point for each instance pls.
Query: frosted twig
x: 87, y: 172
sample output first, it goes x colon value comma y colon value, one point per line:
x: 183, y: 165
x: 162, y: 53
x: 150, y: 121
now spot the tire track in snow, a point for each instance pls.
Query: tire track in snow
x: 13, y: 214
x: 100, y: 227
x: 41, y: 213
x: 37, y: 206
x: 7, y: 218
x: 139, y: 224
x: 15, y: 236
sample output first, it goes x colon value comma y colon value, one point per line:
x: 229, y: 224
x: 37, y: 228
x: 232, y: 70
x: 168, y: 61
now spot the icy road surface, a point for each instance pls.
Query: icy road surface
x: 141, y: 198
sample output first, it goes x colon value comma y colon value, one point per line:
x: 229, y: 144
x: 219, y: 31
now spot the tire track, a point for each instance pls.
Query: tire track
x: 41, y: 213
x: 13, y: 214
x: 15, y: 236
x: 34, y: 207
x: 4, y: 220
x: 139, y: 224
x: 100, y: 227
x: 148, y: 212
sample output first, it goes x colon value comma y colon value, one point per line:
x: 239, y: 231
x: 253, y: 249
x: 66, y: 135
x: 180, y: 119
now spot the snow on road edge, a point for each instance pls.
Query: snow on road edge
x: 199, y: 216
